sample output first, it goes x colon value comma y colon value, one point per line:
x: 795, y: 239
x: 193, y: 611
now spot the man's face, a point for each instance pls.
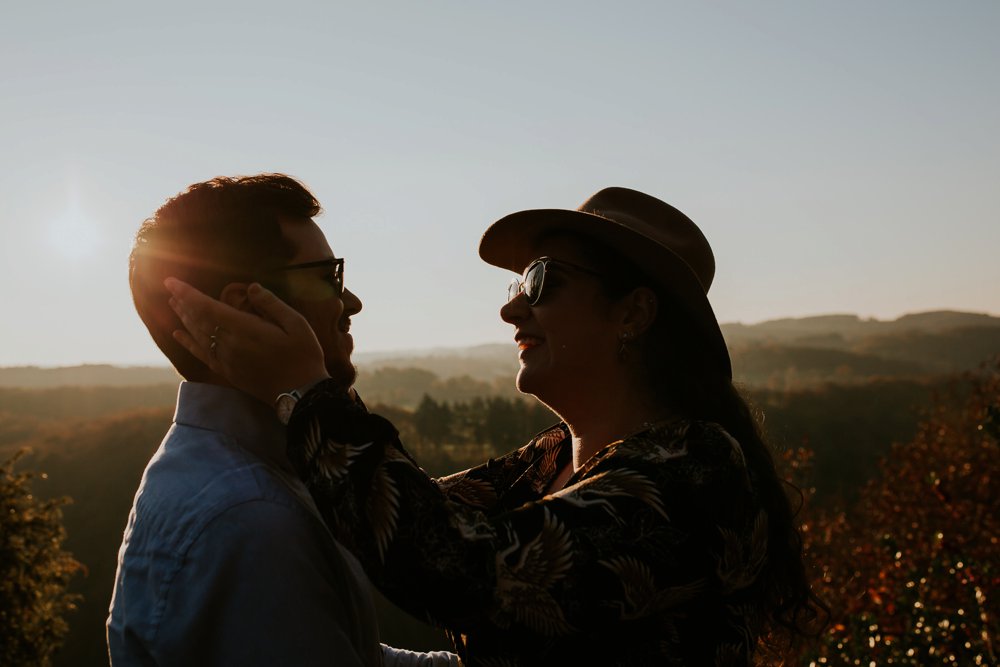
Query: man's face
x: 311, y: 291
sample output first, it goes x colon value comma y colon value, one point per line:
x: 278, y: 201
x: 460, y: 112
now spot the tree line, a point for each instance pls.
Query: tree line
x: 900, y: 478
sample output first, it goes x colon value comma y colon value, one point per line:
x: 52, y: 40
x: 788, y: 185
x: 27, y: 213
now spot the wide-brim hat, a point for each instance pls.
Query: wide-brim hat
x: 660, y: 240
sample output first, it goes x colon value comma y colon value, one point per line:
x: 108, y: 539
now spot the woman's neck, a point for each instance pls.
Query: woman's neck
x: 606, y: 416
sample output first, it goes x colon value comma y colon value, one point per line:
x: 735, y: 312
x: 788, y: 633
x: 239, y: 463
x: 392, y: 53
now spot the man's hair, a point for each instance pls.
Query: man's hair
x: 214, y: 233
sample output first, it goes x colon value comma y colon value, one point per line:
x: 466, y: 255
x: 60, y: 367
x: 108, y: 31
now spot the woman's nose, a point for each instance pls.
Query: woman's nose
x: 515, y: 310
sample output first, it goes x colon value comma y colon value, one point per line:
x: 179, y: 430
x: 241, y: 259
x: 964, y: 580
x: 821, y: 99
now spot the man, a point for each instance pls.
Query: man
x: 225, y: 559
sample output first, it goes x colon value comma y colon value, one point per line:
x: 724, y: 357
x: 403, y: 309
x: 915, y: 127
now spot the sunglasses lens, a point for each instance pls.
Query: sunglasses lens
x: 533, y: 279
x: 513, y: 289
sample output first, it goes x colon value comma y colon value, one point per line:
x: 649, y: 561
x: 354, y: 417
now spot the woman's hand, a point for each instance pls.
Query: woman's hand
x: 263, y: 354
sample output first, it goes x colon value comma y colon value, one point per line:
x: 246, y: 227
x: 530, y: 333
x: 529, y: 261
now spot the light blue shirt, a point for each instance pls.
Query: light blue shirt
x: 225, y: 560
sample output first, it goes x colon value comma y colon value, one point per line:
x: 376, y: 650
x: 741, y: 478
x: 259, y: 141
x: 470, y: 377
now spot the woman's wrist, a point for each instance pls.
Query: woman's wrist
x: 302, y: 390
x: 285, y: 402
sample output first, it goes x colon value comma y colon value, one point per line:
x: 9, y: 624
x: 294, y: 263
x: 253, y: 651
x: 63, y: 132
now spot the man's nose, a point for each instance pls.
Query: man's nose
x: 352, y: 304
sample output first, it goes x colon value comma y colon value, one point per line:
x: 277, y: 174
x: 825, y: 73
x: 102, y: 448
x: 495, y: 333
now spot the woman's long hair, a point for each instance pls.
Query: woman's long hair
x: 683, y: 370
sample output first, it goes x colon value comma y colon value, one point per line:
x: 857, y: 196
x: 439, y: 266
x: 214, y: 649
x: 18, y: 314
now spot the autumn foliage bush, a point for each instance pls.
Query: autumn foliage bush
x: 34, y: 572
x: 911, y: 569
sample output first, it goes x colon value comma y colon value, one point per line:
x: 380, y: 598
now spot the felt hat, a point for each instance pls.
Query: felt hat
x: 661, y: 241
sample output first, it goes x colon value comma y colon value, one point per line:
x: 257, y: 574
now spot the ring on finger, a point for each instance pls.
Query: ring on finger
x: 213, y: 340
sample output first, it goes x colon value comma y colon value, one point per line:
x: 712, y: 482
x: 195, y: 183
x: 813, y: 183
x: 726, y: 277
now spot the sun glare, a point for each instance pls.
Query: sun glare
x: 74, y: 235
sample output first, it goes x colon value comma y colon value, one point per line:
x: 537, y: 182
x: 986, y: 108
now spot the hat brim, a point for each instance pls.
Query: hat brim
x: 510, y: 243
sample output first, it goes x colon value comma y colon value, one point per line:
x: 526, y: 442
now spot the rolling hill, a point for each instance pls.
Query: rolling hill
x: 780, y: 353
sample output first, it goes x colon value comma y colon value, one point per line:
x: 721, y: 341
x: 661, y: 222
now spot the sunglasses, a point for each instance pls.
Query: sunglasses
x: 532, y: 281
x: 336, y: 279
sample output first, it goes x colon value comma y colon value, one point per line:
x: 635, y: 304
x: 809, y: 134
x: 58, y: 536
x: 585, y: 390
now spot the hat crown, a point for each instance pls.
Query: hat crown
x: 659, y: 222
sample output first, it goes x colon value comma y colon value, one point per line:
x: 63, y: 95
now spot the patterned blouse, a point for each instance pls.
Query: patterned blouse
x: 650, y: 554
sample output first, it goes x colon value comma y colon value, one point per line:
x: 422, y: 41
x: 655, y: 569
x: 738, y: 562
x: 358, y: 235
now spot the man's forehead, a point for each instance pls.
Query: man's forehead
x: 307, y: 238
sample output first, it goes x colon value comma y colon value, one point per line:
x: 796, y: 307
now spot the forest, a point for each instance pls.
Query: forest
x: 895, y: 454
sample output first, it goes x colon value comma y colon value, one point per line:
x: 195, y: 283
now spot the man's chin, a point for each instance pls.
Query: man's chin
x: 343, y: 372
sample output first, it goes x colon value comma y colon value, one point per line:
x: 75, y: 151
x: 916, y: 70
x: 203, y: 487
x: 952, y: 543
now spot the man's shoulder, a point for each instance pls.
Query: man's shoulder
x: 217, y: 539
x: 199, y: 475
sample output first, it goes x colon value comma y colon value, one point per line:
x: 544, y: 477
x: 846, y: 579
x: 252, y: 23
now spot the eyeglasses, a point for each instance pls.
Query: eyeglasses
x: 336, y: 279
x: 533, y: 279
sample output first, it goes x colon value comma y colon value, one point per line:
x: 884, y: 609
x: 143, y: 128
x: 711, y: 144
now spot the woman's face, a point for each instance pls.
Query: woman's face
x: 568, y: 341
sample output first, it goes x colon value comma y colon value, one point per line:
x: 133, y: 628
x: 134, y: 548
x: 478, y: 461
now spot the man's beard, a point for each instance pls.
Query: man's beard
x: 342, y: 371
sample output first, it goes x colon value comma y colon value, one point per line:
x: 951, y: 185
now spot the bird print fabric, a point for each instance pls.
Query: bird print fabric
x: 651, y: 553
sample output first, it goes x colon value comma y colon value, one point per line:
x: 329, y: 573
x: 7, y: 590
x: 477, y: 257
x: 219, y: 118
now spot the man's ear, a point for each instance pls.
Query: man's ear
x: 235, y: 295
x: 640, y: 311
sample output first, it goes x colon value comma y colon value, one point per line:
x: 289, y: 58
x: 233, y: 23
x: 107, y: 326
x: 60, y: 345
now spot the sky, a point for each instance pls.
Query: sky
x: 841, y: 157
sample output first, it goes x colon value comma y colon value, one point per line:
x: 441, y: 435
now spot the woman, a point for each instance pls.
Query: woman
x: 649, y: 527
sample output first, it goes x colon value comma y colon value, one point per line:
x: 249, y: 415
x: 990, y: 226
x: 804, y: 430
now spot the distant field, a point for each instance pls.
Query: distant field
x: 94, y: 443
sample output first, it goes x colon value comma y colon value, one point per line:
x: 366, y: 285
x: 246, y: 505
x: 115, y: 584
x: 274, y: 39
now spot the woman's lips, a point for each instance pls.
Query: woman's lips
x: 528, y: 342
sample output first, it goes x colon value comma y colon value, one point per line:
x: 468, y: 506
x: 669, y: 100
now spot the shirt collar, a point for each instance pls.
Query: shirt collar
x: 251, y: 423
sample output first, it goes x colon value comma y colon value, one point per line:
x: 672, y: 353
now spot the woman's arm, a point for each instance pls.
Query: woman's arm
x: 616, y: 545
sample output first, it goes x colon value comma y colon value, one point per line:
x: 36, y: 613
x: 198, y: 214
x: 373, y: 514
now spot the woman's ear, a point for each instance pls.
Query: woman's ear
x: 641, y: 307
x: 235, y: 295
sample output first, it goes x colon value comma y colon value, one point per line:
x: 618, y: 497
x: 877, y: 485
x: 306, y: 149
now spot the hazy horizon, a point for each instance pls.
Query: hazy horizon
x: 840, y: 158
x: 373, y: 355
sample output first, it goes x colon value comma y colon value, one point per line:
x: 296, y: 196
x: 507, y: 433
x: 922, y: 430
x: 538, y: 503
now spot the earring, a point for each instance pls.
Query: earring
x: 623, y: 339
